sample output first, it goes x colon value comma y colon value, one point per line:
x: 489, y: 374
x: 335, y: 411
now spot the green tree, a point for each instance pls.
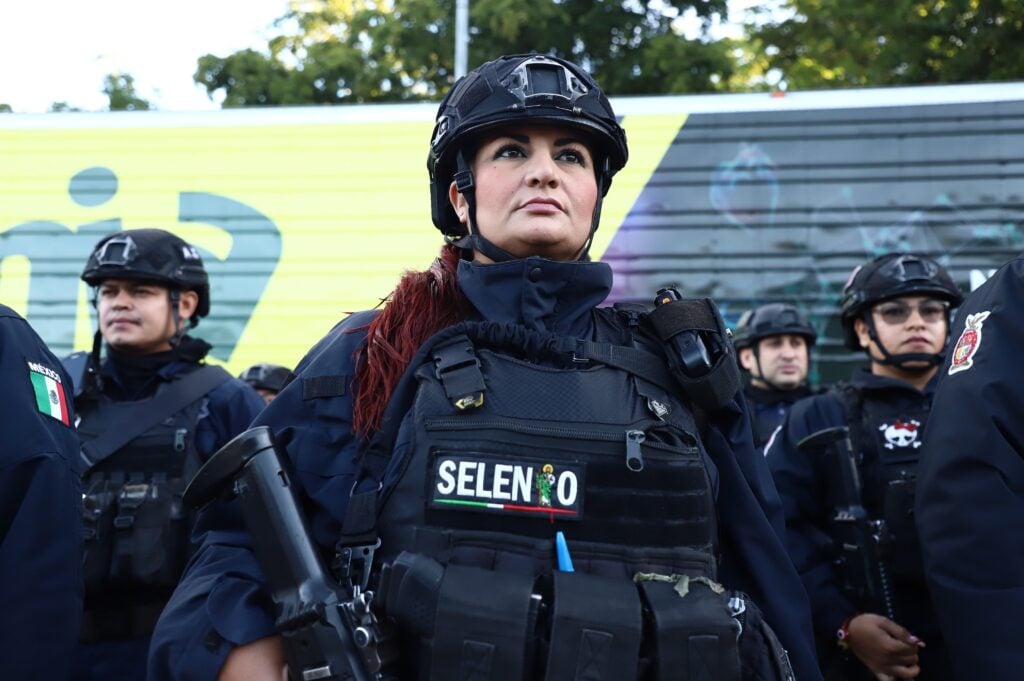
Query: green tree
x: 62, y: 107
x: 120, y: 89
x: 6, y: 108
x: 839, y: 43
x: 337, y: 51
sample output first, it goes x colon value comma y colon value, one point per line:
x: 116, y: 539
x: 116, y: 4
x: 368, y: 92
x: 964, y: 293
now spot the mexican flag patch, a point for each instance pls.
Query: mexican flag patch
x: 49, y: 392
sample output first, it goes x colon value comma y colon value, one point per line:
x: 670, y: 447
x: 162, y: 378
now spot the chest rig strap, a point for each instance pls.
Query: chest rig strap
x: 146, y: 414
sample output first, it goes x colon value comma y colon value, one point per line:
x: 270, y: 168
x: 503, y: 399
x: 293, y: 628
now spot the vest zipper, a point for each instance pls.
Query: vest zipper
x: 179, y: 439
x: 634, y: 456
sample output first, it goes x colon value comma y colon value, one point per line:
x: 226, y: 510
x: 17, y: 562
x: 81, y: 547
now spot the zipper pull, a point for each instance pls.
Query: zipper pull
x: 179, y: 439
x: 634, y: 457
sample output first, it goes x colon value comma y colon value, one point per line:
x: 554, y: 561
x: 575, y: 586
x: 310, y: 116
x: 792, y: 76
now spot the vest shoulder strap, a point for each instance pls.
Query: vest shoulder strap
x: 143, y: 415
x: 852, y: 400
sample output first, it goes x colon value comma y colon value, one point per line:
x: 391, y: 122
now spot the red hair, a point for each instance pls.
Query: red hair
x: 422, y: 304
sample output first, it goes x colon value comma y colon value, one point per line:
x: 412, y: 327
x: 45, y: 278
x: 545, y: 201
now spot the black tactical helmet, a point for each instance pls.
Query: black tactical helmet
x: 150, y: 255
x: 520, y: 88
x: 890, y: 276
x: 266, y: 376
x: 773, y: 319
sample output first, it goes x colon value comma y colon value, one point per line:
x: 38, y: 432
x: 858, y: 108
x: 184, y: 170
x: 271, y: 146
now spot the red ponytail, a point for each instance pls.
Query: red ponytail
x: 422, y: 304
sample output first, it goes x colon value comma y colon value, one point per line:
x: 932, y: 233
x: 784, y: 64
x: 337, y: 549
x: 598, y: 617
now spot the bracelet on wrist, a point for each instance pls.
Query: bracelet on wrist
x: 843, y: 634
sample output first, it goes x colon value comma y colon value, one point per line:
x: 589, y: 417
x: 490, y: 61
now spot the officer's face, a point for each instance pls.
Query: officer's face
x: 135, y: 317
x: 267, y: 395
x: 783, y: 362
x: 909, y: 324
x: 535, y: 192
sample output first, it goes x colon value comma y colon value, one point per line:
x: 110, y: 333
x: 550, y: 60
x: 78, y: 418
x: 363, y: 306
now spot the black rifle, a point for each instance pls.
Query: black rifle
x: 328, y: 630
x: 860, y: 541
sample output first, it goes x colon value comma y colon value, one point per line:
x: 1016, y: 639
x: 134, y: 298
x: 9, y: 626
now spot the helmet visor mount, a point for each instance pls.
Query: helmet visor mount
x: 909, y: 269
x: 543, y: 82
x: 116, y: 252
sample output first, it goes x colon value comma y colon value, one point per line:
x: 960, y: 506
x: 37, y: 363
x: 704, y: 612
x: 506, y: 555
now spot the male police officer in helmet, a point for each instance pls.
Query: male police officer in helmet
x: 774, y: 343
x: 149, y: 413
x: 40, y: 509
x: 896, y: 309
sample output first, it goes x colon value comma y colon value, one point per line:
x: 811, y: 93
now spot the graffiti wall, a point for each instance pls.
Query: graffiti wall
x: 303, y: 215
x: 761, y: 206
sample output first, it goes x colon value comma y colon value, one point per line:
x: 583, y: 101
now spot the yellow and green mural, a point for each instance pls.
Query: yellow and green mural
x: 304, y: 215
x: 298, y: 223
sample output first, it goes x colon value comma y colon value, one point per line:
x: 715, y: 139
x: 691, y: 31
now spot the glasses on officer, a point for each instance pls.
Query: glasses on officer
x: 898, y: 312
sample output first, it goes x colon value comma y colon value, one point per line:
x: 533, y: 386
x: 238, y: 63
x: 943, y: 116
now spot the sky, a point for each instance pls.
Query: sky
x: 62, y: 50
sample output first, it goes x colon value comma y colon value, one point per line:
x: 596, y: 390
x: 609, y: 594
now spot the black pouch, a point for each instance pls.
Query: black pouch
x: 596, y: 627
x: 151, y: 534
x: 762, y: 657
x: 99, y: 505
x: 483, y: 626
x: 702, y: 357
x: 692, y: 631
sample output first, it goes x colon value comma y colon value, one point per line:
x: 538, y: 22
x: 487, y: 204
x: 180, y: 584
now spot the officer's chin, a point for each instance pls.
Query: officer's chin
x: 916, y: 366
x: 788, y: 381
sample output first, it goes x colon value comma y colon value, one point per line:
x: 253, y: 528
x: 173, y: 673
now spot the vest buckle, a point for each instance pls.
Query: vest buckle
x: 352, y: 564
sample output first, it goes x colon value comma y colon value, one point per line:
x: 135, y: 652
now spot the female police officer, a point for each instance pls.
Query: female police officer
x: 896, y: 309
x: 507, y: 437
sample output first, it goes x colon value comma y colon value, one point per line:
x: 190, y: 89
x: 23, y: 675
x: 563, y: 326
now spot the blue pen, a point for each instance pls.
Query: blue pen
x: 562, y: 549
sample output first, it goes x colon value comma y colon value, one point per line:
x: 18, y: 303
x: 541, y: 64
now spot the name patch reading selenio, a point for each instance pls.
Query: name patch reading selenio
x: 511, y: 486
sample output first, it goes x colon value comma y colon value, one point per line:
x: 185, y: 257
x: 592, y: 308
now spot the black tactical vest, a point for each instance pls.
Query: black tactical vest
x: 606, y: 457
x: 888, y: 438
x: 517, y: 439
x: 136, y: 528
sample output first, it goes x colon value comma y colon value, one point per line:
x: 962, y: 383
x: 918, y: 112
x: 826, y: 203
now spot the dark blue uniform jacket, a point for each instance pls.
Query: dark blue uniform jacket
x: 220, y: 603
x: 768, y: 408
x: 970, y: 490
x: 40, y: 512
x: 802, y: 482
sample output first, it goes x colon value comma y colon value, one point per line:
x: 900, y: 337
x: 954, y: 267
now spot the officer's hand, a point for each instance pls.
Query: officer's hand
x: 261, y: 660
x: 886, y: 648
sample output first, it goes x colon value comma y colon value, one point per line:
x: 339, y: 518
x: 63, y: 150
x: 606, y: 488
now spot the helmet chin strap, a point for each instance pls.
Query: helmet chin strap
x: 900, y: 360
x: 475, y: 241
x: 93, y: 377
x: 179, y: 328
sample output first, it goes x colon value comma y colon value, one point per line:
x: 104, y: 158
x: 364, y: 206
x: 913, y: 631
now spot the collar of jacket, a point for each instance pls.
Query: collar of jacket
x: 774, y: 396
x: 863, y: 378
x: 540, y: 294
x: 137, y: 376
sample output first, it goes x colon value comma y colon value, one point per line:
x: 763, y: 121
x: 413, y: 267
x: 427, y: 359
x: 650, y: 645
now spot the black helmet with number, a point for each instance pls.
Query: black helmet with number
x: 524, y: 88
x: 152, y: 255
x: 773, y: 319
